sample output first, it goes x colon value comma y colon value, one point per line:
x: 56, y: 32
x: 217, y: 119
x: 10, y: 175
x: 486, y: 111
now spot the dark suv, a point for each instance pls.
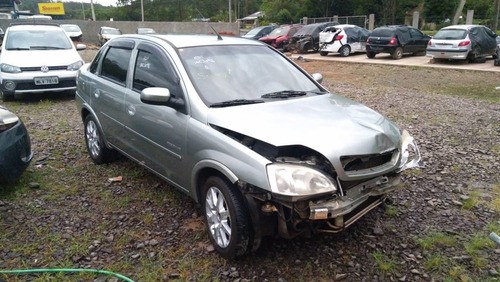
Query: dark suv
x: 396, y: 40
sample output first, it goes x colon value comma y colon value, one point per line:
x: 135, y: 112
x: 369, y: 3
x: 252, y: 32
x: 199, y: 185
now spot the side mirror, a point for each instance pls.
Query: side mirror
x: 318, y: 77
x: 161, y: 96
x: 81, y: 46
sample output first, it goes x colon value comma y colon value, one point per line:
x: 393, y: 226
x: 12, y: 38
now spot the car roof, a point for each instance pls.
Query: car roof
x: 108, y: 27
x: 461, y: 26
x: 193, y: 40
x: 34, y: 27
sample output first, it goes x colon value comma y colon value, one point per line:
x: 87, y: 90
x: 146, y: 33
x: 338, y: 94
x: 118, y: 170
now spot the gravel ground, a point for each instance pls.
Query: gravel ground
x: 436, y: 229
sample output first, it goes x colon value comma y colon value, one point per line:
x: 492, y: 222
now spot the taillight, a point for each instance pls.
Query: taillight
x: 339, y: 37
x: 430, y: 43
x: 368, y: 40
x: 393, y: 41
x: 464, y: 43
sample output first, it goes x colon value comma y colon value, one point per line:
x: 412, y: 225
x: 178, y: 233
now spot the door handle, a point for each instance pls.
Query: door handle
x: 130, y: 110
x: 97, y: 93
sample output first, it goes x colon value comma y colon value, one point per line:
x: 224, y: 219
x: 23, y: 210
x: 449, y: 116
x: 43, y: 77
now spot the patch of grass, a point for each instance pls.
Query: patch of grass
x: 384, y: 263
x: 436, y: 262
x: 495, y: 200
x: 435, y: 240
x: 472, y: 201
x: 458, y: 273
x: 391, y: 210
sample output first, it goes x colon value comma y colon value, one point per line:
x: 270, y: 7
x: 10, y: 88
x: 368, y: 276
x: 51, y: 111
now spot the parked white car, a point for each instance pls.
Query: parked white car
x: 343, y: 39
x: 38, y: 58
x: 73, y: 30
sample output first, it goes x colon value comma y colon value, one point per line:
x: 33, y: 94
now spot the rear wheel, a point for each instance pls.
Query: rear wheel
x: 323, y: 53
x: 226, y: 218
x: 370, y: 54
x: 345, y: 51
x: 96, y: 148
x: 397, y: 53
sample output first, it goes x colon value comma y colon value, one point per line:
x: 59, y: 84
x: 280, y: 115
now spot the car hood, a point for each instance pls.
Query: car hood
x: 330, y: 124
x: 40, y: 58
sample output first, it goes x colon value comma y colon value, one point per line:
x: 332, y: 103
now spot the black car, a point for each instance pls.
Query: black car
x: 396, y: 40
x: 15, y: 147
x: 260, y: 31
x: 307, y: 38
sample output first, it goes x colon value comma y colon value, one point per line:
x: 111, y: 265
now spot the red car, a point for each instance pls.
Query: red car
x: 280, y: 37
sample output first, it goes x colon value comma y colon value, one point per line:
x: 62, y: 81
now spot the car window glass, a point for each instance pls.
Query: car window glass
x: 404, y: 35
x: 382, y: 32
x: 222, y: 73
x: 415, y: 33
x: 115, y: 64
x: 451, y: 34
x: 95, y: 61
x: 153, y: 70
x: 38, y: 39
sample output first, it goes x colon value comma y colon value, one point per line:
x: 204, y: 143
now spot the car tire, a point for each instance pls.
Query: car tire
x: 323, y: 53
x: 226, y: 218
x: 94, y: 142
x: 397, y: 53
x: 345, y: 51
x: 370, y: 55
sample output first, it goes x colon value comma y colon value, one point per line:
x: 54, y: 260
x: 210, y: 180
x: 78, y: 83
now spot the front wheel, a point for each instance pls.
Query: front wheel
x: 345, y: 51
x: 226, y: 218
x: 323, y: 53
x: 397, y: 53
x: 96, y: 148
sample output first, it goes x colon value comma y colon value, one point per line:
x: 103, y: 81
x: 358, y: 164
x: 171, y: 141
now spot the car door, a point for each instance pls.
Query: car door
x: 157, y: 132
x: 419, y: 40
x: 108, y: 90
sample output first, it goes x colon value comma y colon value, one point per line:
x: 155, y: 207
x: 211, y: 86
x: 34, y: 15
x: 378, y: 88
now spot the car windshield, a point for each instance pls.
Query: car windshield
x: 71, y: 28
x: 37, y: 39
x: 242, y: 73
x: 254, y: 31
x: 453, y: 34
x: 111, y: 31
x: 280, y: 31
x: 309, y: 29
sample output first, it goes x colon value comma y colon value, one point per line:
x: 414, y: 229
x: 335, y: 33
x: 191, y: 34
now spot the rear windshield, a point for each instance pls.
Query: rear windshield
x: 451, y: 34
x: 383, y: 32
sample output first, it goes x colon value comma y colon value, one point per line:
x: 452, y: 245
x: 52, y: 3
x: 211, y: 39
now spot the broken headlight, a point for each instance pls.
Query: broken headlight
x: 297, y: 180
x: 410, y: 155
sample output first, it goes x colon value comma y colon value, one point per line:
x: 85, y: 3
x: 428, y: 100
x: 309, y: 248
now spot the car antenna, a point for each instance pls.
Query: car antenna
x: 218, y: 35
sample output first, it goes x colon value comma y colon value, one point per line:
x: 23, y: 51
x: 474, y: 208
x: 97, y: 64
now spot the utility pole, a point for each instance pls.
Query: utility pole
x: 92, y: 8
x: 497, y: 14
x: 142, y: 10
x: 229, y: 10
x: 459, y: 11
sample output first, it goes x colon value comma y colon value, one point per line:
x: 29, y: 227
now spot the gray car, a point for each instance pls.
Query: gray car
x: 462, y: 42
x: 285, y: 157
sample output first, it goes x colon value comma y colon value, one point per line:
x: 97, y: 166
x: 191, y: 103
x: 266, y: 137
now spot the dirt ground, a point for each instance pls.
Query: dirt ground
x: 436, y: 229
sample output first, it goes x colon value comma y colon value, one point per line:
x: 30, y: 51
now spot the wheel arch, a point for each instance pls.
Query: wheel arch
x: 85, y: 112
x: 206, y: 168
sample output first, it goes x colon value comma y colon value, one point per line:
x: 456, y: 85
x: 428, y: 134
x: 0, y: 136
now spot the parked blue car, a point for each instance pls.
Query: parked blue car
x: 15, y: 147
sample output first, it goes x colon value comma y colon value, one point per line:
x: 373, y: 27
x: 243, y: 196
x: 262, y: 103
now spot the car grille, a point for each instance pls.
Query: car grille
x: 364, y: 162
x: 32, y: 86
x: 51, y: 68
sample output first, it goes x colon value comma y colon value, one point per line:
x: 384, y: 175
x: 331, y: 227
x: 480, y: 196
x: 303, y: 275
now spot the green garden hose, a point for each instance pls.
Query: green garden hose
x: 65, y: 270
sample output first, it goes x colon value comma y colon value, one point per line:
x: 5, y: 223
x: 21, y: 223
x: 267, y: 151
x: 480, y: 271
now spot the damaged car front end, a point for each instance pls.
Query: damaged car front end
x: 280, y: 157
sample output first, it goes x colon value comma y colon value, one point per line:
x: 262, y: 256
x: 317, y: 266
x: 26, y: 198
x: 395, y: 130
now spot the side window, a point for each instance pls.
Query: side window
x: 153, y: 69
x: 416, y: 33
x: 95, y: 61
x: 115, y: 64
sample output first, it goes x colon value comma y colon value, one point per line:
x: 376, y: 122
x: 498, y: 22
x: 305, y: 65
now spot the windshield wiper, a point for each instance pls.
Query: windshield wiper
x: 235, y: 102
x: 46, y: 47
x: 18, y: 48
x: 284, y: 94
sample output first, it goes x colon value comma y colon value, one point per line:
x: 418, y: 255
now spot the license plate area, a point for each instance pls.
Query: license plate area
x: 47, y: 80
